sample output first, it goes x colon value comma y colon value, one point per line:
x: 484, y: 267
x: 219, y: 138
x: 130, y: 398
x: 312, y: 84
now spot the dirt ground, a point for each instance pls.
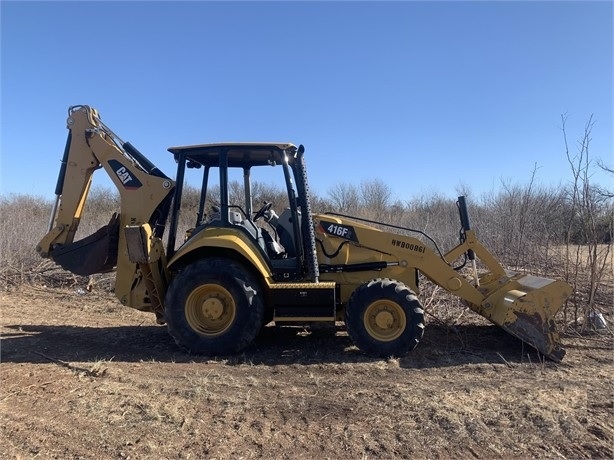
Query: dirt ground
x: 83, y: 377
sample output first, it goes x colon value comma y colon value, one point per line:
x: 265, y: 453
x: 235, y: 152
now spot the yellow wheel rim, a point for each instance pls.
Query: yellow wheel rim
x: 385, y: 320
x: 210, y: 309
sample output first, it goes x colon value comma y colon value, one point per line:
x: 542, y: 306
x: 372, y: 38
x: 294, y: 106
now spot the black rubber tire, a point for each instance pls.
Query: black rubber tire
x: 391, y: 302
x: 208, y: 280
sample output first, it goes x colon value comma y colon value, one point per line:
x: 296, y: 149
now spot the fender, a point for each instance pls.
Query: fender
x: 226, y: 239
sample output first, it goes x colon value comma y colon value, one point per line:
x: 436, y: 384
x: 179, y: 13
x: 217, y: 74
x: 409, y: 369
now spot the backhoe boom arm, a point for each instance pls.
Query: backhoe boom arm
x: 145, y: 194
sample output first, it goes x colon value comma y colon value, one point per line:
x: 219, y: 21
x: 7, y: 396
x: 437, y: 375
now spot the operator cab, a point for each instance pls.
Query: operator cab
x: 225, y: 202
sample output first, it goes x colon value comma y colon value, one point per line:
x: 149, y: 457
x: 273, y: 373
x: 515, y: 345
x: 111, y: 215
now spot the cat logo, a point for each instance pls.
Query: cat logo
x: 126, y: 177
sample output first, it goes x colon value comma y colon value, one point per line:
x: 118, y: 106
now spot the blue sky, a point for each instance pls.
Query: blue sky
x: 423, y: 95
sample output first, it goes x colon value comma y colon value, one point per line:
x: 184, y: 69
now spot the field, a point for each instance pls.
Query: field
x: 83, y: 377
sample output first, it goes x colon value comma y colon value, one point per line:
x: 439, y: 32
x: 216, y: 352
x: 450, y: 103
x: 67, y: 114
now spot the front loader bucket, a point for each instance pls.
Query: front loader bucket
x: 525, y: 306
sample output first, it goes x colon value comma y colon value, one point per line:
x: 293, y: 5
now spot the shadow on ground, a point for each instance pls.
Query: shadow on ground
x: 440, y: 347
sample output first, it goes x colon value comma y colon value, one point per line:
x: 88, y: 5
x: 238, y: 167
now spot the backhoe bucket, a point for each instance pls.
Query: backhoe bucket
x: 525, y: 306
x: 96, y: 253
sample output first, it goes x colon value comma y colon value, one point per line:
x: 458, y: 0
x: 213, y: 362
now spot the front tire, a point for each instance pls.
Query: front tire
x: 214, y: 306
x: 384, y: 318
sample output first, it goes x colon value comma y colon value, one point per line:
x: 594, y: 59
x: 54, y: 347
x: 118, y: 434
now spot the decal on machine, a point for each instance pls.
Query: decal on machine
x: 408, y: 246
x: 340, y: 230
x: 125, y: 176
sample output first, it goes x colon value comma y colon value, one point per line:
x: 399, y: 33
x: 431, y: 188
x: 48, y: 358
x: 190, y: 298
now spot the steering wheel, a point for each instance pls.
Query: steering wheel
x: 262, y: 211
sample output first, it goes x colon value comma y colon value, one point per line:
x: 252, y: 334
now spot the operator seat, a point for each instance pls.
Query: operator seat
x: 285, y: 231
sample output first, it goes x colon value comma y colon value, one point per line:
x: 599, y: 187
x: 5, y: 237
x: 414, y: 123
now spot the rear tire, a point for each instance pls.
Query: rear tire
x: 214, y: 306
x: 384, y: 318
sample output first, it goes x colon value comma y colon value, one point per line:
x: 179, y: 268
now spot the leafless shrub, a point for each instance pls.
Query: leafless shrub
x: 24, y: 221
x: 588, y: 238
x: 101, y: 203
x: 437, y: 216
x: 522, y: 225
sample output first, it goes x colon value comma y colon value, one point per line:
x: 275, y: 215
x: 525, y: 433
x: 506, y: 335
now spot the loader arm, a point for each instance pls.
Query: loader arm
x: 522, y: 305
x: 132, y: 240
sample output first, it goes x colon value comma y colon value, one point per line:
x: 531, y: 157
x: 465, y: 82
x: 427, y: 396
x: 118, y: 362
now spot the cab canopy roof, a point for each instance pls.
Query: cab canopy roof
x: 240, y: 155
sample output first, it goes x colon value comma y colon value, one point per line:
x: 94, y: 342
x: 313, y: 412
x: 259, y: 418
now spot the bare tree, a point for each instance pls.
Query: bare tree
x: 375, y: 197
x: 344, y: 198
x: 586, y: 253
x: 607, y: 193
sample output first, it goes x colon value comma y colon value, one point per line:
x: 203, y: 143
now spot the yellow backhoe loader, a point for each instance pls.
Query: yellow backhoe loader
x: 238, y: 269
